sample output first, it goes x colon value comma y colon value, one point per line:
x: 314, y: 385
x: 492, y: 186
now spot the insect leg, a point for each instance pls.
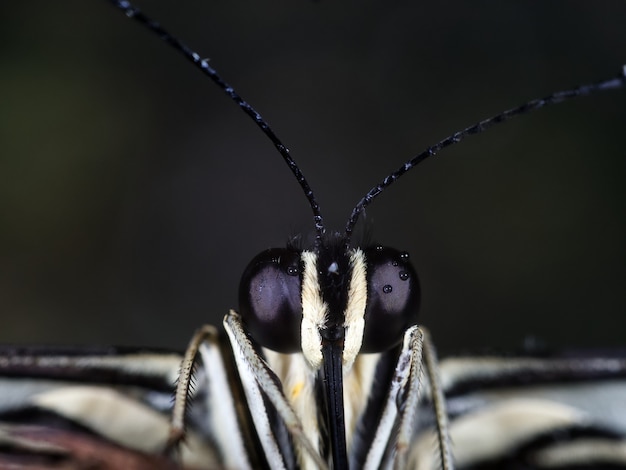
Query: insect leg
x: 403, y: 399
x: 229, y: 427
x: 260, y: 382
x: 400, y: 406
x: 408, y: 415
x: 439, y: 402
x: 182, y: 395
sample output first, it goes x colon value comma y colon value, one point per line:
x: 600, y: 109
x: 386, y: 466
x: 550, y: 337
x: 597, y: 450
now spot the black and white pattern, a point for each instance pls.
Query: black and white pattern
x: 530, y: 411
x: 505, y: 412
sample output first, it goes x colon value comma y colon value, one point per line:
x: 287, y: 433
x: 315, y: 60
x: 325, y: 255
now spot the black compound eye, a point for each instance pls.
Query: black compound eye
x: 393, y: 296
x: 270, y: 299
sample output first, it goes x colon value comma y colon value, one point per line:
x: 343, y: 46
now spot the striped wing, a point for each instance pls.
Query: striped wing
x: 532, y: 413
x: 110, y: 409
x: 94, y: 409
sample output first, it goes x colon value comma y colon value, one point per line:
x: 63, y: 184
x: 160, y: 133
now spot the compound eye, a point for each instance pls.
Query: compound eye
x: 270, y: 299
x: 393, y: 296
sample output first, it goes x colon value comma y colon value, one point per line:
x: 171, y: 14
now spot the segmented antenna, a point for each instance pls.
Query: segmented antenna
x: 477, y: 128
x: 136, y: 14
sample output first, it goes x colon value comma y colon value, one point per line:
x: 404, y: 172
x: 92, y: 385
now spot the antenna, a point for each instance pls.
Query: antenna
x: 203, y: 64
x: 479, y: 127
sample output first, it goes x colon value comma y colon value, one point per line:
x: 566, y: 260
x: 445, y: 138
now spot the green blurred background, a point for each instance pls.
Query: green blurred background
x: 133, y: 193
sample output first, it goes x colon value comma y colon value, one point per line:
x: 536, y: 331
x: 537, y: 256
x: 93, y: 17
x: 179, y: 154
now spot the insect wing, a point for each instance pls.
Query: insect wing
x: 538, y: 412
x: 112, y: 407
x: 115, y: 407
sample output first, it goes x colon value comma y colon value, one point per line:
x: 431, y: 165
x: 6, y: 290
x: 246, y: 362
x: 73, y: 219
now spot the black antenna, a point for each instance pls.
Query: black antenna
x: 477, y: 128
x: 203, y: 65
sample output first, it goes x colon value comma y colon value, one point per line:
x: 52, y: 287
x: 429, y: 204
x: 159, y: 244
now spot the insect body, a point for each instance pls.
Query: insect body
x: 331, y: 302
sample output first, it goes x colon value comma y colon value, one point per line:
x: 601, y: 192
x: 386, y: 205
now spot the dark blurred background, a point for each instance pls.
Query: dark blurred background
x: 133, y: 193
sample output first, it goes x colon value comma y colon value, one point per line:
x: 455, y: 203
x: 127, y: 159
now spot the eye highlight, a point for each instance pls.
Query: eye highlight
x: 393, y: 296
x: 270, y: 301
